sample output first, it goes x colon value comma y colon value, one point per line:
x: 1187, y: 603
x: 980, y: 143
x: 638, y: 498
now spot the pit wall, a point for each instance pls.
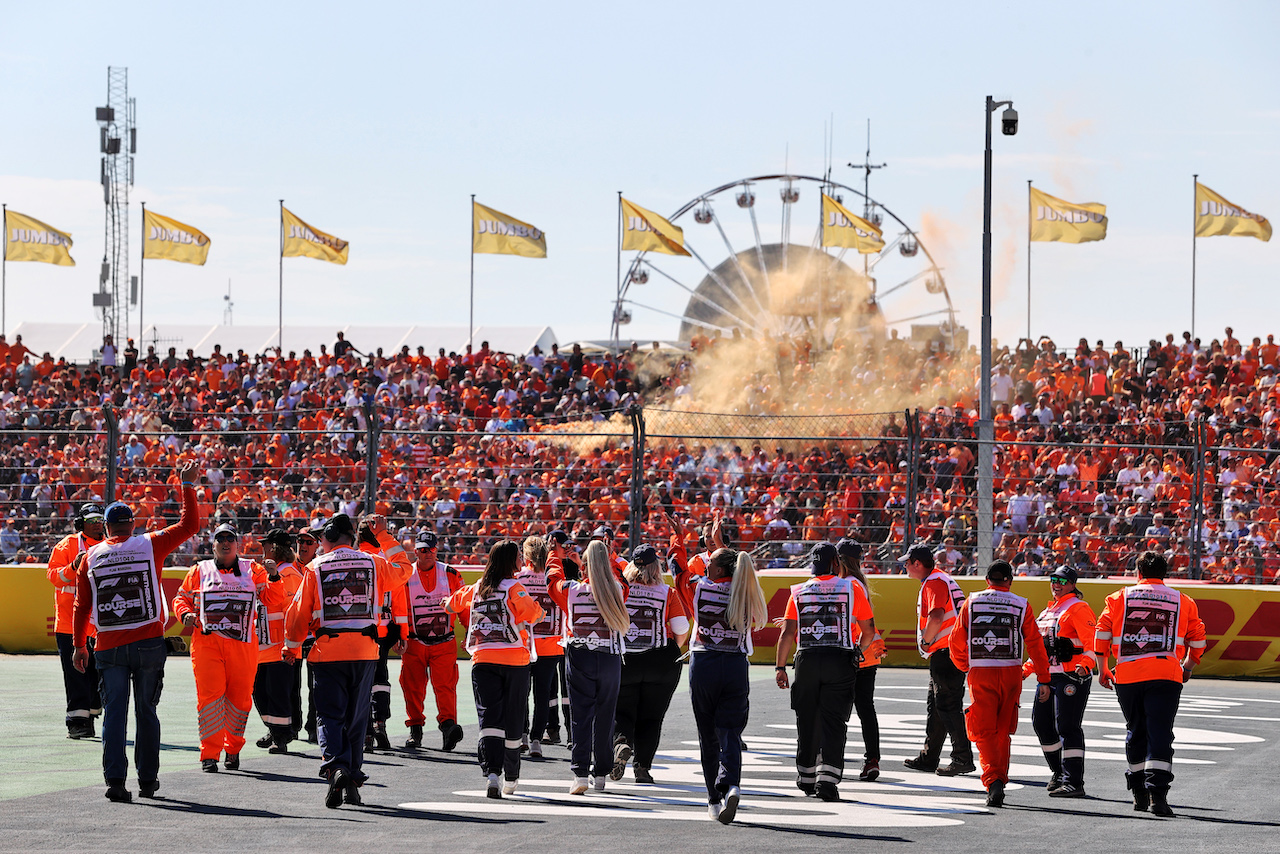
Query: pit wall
x: 1243, y: 621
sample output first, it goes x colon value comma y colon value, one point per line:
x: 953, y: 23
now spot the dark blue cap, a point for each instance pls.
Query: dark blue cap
x: 118, y: 512
x: 823, y: 557
x: 644, y: 555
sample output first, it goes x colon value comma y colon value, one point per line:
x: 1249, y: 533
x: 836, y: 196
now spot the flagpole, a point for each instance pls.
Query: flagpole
x: 1195, y: 181
x: 4, y: 273
x: 471, y: 313
x: 142, y: 279
x: 617, y: 299
x: 280, y: 310
x: 1029, y: 260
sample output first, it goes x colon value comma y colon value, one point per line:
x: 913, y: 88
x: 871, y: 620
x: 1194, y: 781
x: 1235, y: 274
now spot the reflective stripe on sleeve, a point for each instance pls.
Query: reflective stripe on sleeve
x: 1102, y: 636
x: 1196, y: 644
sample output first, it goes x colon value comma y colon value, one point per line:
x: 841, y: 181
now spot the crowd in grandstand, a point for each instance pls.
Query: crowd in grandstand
x: 1096, y: 458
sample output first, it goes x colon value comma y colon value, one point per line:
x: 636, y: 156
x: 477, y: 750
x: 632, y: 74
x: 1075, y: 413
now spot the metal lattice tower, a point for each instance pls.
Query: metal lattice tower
x: 118, y: 142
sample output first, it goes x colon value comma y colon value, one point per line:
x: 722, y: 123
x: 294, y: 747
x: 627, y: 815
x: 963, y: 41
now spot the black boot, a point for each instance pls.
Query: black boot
x: 380, y: 735
x: 1160, y: 803
x: 1141, y: 797
x: 452, y: 734
x: 415, y: 737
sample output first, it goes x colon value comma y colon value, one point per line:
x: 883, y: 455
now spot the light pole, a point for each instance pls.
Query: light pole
x: 986, y: 425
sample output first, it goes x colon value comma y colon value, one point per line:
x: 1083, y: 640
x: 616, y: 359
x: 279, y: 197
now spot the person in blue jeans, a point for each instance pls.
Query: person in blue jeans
x: 118, y: 588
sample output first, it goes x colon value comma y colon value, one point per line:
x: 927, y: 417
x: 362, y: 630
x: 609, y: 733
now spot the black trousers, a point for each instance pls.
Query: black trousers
x: 83, y: 700
x: 720, y: 690
x: 381, y: 708
x: 543, y: 676
x: 649, y: 679
x: 501, y: 693
x: 944, y: 715
x: 273, y: 698
x: 864, y: 703
x: 822, y: 697
x: 341, y: 691
x: 1058, y: 724
x: 593, y: 688
x: 1149, y: 709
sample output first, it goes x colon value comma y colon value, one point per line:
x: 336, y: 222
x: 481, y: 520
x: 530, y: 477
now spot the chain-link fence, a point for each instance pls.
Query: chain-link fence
x: 1087, y: 495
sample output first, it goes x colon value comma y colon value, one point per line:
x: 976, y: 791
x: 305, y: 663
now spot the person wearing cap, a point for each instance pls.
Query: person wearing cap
x: 1066, y: 627
x: 498, y: 612
x: 547, y: 667
x: 372, y: 537
x: 428, y: 649
x: 277, y: 679
x: 994, y: 630
x: 340, y: 602
x: 219, y: 599
x: 651, y: 665
x: 824, y: 618
x: 604, y: 534
x: 849, y: 553
x: 83, y: 700
x: 937, y: 605
x: 118, y: 592
x: 1157, y: 638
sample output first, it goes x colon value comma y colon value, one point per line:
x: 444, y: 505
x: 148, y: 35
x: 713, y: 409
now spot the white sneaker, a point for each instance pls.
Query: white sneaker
x: 579, y: 786
x: 599, y: 782
x: 535, y: 749
x: 493, y: 789
x: 713, y: 811
x: 730, y: 806
x: 509, y: 787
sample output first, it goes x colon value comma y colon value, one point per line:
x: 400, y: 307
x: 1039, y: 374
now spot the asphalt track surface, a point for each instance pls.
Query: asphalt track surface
x: 51, y: 794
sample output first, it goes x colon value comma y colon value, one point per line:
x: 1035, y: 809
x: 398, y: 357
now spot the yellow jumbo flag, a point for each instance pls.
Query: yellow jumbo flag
x: 1217, y: 216
x: 498, y: 234
x: 169, y: 240
x: 303, y: 241
x: 842, y: 228
x: 28, y: 239
x: 1052, y: 219
x: 646, y: 231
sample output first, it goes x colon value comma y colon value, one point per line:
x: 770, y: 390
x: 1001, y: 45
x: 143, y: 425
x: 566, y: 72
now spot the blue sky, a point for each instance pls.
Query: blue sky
x: 376, y: 122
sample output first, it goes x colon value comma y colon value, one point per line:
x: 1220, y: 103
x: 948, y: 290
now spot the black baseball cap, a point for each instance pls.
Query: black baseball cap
x: 604, y: 532
x: 426, y: 540
x: 1000, y: 571
x: 920, y: 553
x: 1066, y: 574
x: 558, y: 536
x: 226, y: 528
x: 849, y: 548
x: 279, y: 537
x: 822, y: 556
x: 644, y: 555
x: 339, y: 526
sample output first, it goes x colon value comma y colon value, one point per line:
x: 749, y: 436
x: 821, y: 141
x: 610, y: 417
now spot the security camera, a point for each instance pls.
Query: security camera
x: 1009, y: 121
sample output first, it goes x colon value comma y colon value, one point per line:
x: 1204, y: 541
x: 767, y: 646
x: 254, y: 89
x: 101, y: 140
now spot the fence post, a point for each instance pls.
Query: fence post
x: 636, y: 413
x: 912, y: 421
x: 372, y: 431
x: 1197, y: 507
x: 112, y: 450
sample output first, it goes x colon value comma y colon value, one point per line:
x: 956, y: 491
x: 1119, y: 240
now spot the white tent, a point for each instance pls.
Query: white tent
x: 80, y: 342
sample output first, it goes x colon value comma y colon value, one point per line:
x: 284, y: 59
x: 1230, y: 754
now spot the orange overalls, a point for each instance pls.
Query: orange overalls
x: 224, y: 646
x: 431, y: 651
x: 993, y: 631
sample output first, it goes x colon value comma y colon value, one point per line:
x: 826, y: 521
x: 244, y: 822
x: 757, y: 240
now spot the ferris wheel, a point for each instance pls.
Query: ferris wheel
x: 769, y: 285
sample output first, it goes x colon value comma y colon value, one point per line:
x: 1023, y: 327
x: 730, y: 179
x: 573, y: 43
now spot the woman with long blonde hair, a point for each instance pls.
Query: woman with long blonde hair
x: 651, y: 668
x: 728, y: 604
x: 595, y: 625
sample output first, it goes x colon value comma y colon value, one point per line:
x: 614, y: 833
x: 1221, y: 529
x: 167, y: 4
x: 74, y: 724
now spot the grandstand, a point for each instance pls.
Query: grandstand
x: 1102, y: 451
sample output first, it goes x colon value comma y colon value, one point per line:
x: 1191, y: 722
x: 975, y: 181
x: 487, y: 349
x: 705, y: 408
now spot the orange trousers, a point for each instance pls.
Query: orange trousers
x: 224, y: 670
x: 992, y: 717
x: 437, y: 663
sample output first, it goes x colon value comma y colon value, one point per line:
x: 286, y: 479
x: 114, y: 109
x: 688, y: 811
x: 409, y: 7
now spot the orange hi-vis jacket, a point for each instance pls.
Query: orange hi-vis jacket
x: 869, y: 660
x: 134, y: 562
x: 271, y: 619
x: 549, y: 631
x: 498, y: 625
x: 1151, y: 628
x: 994, y: 628
x: 938, y: 592
x: 315, y: 610
x: 1067, y: 618
x: 225, y: 601
x: 62, y: 575
x: 419, y: 605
